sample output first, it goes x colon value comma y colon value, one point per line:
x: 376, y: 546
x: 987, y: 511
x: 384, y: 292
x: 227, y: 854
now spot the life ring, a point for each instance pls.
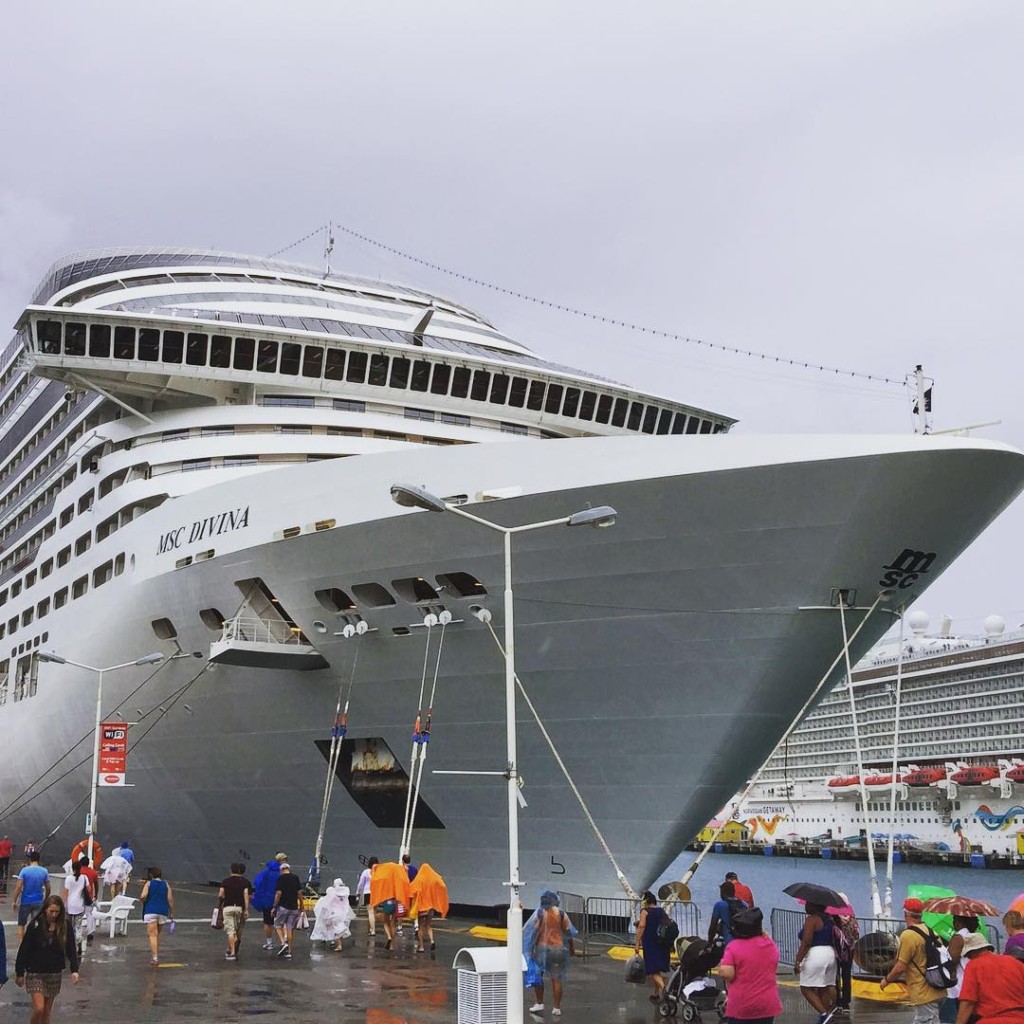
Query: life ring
x: 82, y: 850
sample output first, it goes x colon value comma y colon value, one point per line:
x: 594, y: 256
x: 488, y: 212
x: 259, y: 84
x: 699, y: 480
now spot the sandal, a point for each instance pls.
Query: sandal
x: 387, y: 945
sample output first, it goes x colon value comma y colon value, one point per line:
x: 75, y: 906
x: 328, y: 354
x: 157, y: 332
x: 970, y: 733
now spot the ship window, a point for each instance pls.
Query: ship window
x: 419, y: 414
x: 378, y: 376
x: 554, y: 399
x: 102, y: 573
x: 163, y: 629
x: 439, y: 382
x: 334, y: 600
x: 312, y: 361
x: 349, y: 405
x: 119, y: 564
x: 79, y: 587
x: 356, y: 372
x: 60, y: 598
x: 149, y: 344
x: 64, y: 556
x: 372, y: 595
x: 212, y: 619
x: 27, y: 616
x: 43, y: 608
x: 587, y: 402
x: 399, y: 373
x: 456, y: 419
x: 679, y: 423
x: 74, y: 340
x: 48, y: 335
x: 30, y: 579
x: 99, y: 340
x: 415, y: 590
x: 664, y: 421
x: 197, y: 346
x: 266, y: 358
x: 705, y: 426
x: 124, y: 342
x: 636, y: 413
x: 335, y: 366
x: 481, y: 382
x: 535, y: 400
x: 245, y: 352
x: 604, y: 409
x: 460, y: 382
x: 220, y: 350
x: 650, y: 419
x: 619, y: 413
x: 290, y: 354
x: 3, y: 596
x: 572, y: 401
x: 174, y: 346
x: 460, y: 584
x: 420, y: 375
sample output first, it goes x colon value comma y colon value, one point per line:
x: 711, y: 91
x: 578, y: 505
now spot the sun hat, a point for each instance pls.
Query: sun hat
x: 975, y: 942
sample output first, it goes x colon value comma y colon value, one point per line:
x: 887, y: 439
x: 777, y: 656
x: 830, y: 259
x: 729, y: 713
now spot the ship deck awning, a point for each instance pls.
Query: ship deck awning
x: 260, y: 643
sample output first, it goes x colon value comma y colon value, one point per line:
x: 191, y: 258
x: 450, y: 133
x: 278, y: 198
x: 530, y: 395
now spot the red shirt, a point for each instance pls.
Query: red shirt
x: 743, y: 893
x: 94, y: 880
x: 996, y: 984
x: 6, y: 846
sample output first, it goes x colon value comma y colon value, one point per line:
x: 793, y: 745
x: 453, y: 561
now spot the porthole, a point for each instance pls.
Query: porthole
x: 319, y: 626
x: 212, y: 619
x: 163, y: 629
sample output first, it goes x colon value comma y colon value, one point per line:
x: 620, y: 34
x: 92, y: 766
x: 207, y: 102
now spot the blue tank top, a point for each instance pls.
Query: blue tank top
x: 823, y: 936
x: 156, y: 898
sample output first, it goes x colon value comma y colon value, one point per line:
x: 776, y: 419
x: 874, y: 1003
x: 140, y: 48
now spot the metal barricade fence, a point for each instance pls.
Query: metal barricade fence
x: 611, y: 920
x: 575, y: 908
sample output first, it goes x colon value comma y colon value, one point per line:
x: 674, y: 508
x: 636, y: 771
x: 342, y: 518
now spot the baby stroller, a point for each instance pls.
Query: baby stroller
x: 691, y: 989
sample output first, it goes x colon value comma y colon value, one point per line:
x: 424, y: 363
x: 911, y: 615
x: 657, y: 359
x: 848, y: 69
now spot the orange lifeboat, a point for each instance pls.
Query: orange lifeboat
x: 976, y: 775
x: 924, y: 776
x: 1016, y: 774
x: 880, y: 782
x: 844, y: 781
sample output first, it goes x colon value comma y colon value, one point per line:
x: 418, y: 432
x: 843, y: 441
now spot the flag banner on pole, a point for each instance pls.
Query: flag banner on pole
x: 113, y: 753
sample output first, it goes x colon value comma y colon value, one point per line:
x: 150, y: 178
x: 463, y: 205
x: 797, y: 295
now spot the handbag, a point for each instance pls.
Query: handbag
x: 635, y: 973
x: 217, y: 920
x: 303, y: 921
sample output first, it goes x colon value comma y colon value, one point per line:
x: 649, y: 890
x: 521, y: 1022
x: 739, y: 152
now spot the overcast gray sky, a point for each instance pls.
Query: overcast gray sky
x: 832, y: 182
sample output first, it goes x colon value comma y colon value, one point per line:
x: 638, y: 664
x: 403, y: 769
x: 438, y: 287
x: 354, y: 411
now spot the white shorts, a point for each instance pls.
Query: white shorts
x: 155, y: 919
x: 819, y: 968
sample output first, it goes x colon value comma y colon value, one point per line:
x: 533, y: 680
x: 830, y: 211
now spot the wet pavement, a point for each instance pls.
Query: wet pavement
x: 364, y: 984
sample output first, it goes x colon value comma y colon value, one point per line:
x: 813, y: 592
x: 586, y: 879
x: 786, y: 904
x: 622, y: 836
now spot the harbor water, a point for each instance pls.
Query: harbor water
x: 768, y: 876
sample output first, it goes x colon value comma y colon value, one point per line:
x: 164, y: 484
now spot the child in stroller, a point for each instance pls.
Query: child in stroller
x: 690, y: 988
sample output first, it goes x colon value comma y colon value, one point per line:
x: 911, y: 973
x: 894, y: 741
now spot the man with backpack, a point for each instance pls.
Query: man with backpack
x: 723, y: 912
x: 917, y: 961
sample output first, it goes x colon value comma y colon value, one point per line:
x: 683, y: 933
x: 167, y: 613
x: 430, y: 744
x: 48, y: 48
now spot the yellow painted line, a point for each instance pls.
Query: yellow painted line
x: 162, y: 965
x: 494, y: 934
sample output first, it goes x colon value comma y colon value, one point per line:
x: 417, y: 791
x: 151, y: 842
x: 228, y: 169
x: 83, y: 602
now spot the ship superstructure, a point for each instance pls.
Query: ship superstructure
x: 197, y: 455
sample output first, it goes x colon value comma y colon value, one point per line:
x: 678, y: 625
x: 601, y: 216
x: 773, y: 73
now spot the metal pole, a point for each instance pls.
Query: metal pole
x: 514, y: 979
x: 95, y: 764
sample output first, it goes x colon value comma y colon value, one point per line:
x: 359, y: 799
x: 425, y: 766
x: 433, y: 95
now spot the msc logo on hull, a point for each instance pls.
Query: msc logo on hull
x: 906, y: 568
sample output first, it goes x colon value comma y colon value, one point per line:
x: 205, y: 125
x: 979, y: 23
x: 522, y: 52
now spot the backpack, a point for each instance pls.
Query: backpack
x: 668, y: 932
x: 735, y: 907
x: 939, y: 970
x: 841, y: 944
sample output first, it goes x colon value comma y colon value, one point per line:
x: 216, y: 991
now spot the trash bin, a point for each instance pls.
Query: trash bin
x: 481, y: 985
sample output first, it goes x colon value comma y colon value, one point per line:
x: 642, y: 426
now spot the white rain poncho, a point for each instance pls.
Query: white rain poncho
x: 333, y: 914
x: 115, y: 869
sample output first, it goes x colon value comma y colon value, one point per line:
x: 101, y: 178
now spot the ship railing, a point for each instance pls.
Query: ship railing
x: 787, y: 926
x: 253, y: 630
x: 611, y: 920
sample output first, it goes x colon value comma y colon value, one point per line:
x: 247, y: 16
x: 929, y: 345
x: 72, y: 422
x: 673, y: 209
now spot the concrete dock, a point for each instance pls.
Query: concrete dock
x: 364, y: 984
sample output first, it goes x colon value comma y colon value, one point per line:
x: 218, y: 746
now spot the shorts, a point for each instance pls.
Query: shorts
x: 232, y: 920
x: 155, y: 919
x: 47, y: 985
x: 285, y: 918
x: 26, y: 911
x: 819, y: 968
x: 387, y: 907
x: 268, y: 917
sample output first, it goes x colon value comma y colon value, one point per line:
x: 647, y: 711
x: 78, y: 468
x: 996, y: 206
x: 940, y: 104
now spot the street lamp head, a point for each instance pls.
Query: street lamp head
x: 150, y: 659
x: 50, y: 656
x: 603, y: 515
x: 411, y: 496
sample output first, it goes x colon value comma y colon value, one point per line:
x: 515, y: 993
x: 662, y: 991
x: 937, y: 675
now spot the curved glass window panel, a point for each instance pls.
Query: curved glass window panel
x: 99, y: 340
x: 266, y: 357
x: 312, y: 361
x: 420, y: 375
x: 604, y: 409
x: 356, y: 372
x: 460, y: 382
x: 49, y: 334
x: 705, y: 426
x: 587, y: 402
x: 517, y: 392
x: 220, y: 351
x: 399, y: 373
x: 440, y: 379
x: 636, y: 416
x: 195, y: 353
x: 74, y: 339
x: 619, y: 412
x: 664, y: 421
x: 291, y: 354
x: 149, y: 344
x: 481, y: 385
x: 554, y: 399
x: 535, y: 399
x: 378, y: 375
x: 124, y: 342
x: 174, y: 346
x: 572, y: 401
x: 692, y: 425
x: 650, y: 419
x: 679, y: 423
x: 499, y: 388
x: 334, y: 367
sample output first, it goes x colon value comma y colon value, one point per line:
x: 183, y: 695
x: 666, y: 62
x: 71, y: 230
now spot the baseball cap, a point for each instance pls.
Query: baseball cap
x: 913, y: 905
x: 285, y: 866
x: 975, y: 942
x: 280, y: 856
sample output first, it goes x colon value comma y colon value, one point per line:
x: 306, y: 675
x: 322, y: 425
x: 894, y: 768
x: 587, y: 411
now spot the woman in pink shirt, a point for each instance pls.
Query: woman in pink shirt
x: 749, y: 966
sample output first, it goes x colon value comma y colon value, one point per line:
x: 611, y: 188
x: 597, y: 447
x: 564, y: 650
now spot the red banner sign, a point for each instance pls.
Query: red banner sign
x: 113, y: 753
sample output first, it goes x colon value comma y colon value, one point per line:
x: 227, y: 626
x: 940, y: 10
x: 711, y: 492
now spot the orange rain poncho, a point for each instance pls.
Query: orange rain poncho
x: 429, y: 891
x: 389, y: 882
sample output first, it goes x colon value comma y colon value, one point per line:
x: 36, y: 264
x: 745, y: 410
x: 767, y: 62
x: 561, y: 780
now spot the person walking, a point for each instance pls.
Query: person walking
x: 125, y: 851
x: 88, y: 920
x: 740, y: 891
x: 333, y: 916
x: 1013, y: 922
x: 962, y: 927
x: 363, y: 894
x: 286, y: 909
x: 430, y: 896
x: 31, y: 889
x: 992, y: 991
x: 722, y: 913
x: 6, y: 849
x: 911, y: 963
x: 77, y: 896
x: 548, y: 941
x: 656, y: 956
x: 749, y: 966
x: 845, y: 933
x: 157, y: 909
x: 233, y: 900
x: 47, y: 948
x: 815, y: 962
x: 264, y: 885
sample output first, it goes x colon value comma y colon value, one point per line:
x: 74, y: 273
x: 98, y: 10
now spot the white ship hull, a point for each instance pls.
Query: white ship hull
x: 665, y: 656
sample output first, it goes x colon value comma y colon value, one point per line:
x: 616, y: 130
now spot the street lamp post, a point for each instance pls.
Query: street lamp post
x: 149, y: 659
x: 411, y: 496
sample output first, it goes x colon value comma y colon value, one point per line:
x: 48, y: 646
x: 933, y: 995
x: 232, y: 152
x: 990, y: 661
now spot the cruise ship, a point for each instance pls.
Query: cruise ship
x: 956, y: 704
x: 198, y: 451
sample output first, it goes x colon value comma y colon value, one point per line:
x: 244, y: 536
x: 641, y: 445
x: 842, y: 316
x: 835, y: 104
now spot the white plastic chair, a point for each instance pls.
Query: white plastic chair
x: 115, y: 911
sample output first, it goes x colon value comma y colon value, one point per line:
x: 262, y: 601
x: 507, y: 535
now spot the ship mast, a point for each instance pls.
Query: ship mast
x: 922, y: 411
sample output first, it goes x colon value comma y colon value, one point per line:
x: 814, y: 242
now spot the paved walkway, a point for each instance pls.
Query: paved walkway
x: 362, y: 985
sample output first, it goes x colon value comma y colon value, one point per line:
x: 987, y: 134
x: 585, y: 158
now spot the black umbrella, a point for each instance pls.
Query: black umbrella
x: 813, y: 893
